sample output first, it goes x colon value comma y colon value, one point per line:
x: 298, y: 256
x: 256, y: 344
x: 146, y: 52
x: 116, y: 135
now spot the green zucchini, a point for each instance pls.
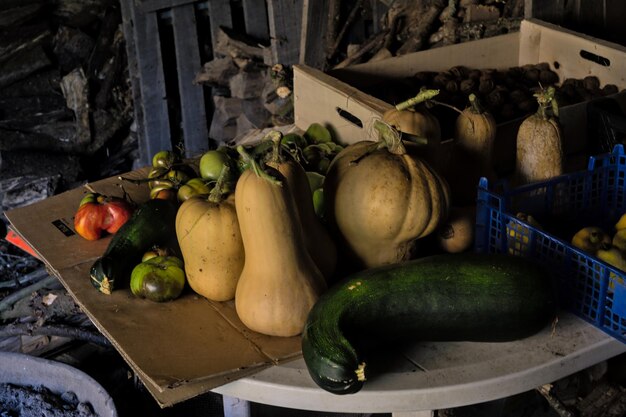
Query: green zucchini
x: 152, y: 224
x: 451, y: 297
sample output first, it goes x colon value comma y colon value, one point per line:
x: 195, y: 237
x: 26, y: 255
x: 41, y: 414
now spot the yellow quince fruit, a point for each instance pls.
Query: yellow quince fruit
x: 590, y: 239
x: 614, y: 257
x: 619, y: 240
x: 621, y: 223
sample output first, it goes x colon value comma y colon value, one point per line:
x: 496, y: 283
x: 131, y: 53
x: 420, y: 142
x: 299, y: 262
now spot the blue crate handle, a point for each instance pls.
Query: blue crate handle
x: 617, y: 154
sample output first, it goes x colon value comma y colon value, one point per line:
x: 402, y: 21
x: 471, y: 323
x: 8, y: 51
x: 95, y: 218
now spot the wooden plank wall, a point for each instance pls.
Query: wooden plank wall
x: 599, y: 18
x: 277, y: 22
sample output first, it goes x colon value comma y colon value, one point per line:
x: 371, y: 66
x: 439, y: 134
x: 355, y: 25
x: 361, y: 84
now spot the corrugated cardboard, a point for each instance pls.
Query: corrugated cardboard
x: 334, y: 99
x: 179, y: 349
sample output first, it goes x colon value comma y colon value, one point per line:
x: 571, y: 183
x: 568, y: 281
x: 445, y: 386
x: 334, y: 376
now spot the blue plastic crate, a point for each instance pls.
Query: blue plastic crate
x: 589, y: 287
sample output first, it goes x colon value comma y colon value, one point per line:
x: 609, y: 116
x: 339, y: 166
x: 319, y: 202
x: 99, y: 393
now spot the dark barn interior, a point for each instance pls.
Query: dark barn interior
x: 93, y: 89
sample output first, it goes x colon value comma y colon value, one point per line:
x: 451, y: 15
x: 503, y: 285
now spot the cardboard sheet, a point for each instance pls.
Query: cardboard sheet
x: 179, y: 349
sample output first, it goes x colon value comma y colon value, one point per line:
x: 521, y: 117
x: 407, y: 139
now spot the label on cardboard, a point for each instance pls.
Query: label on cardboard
x: 63, y: 227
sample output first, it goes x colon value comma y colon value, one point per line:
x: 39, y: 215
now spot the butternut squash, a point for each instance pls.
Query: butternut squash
x: 317, y: 239
x: 208, y: 234
x: 475, y: 134
x: 381, y: 199
x: 279, y: 283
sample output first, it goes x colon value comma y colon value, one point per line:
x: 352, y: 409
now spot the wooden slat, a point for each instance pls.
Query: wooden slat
x: 156, y: 125
x: 551, y: 11
x: 285, y: 22
x: 255, y: 16
x: 616, y: 10
x: 219, y: 15
x: 195, y: 132
x: 133, y: 68
x: 146, y: 6
x: 378, y: 11
x: 314, y: 30
x: 591, y: 16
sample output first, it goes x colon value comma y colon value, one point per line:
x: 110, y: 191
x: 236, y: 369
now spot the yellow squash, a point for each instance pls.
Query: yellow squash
x: 208, y: 234
x: 475, y: 134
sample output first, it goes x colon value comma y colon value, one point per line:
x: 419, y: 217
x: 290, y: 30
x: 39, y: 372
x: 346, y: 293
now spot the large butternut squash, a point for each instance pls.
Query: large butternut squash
x: 317, y: 239
x: 279, y: 283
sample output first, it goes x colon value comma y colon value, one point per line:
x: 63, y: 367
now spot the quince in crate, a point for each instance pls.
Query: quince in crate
x: 591, y: 239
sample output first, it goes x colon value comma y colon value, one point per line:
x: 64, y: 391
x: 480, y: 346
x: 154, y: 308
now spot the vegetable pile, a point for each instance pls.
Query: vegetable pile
x: 343, y: 243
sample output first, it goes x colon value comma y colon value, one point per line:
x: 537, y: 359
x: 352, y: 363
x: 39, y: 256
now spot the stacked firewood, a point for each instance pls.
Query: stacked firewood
x: 405, y: 26
x: 65, y: 117
x: 248, y: 91
x: 64, y: 95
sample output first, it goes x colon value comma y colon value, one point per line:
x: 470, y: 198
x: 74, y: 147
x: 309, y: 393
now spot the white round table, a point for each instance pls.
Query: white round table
x: 428, y: 376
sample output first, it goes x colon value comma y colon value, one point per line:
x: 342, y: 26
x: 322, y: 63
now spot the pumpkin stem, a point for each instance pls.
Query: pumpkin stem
x: 389, y: 138
x: 422, y: 96
x: 254, y: 166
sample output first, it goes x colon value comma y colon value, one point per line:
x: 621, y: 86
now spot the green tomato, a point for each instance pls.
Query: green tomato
x: 317, y: 133
x: 163, y: 159
x: 294, y: 139
x: 318, y: 202
x: 316, y: 180
x: 156, y: 173
x: 193, y: 187
x: 161, y: 278
x: 312, y: 156
x: 177, y: 176
x: 323, y: 165
x: 212, y: 162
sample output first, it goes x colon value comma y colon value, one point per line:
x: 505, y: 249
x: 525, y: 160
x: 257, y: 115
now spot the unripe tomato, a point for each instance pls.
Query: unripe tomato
x: 177, y: 176
x: 193, y: 187
x: 212, y: 162
x: 161, y: 278
x: 163, y: 159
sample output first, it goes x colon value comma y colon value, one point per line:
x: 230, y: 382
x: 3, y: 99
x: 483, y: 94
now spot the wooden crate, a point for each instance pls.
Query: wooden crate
x: 173, y: 38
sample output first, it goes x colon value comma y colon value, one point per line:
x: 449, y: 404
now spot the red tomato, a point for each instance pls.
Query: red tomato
x: 97, y: 214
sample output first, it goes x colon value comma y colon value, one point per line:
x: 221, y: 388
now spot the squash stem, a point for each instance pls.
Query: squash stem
x: 546, y: 100
x: 254, y: 166
x: 276, y: 137
x: 422, y: 96
x: 475, y: 104
x: 219, y: 189
x: 389, y: 138
x: 360, y: 372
